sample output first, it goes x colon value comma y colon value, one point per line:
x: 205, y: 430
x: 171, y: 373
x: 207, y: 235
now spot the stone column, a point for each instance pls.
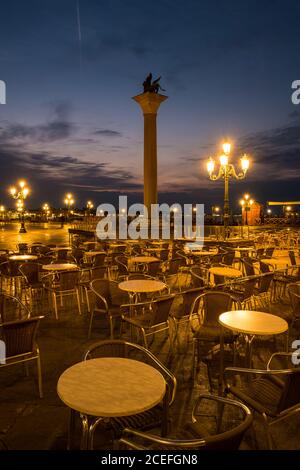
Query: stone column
x: 150, y: 102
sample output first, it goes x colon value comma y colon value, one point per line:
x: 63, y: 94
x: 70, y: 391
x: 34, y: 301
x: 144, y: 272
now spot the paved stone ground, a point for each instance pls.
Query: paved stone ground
x: 27, y: 422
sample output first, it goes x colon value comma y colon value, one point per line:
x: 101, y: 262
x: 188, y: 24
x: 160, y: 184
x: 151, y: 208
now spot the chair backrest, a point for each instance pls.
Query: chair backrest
x: 260, y: 252
x: 68, y: 280
x: 265, y: 282
x: 294, y: 294
x: 22, y: 248
x: 99, y: 260
x: 62, y: 254
x: 188, y: 299
x: 78, y: 254
x: 174, y: 265
x: 228, y: 258
x: 211, y: 304
x: 270, y: 251
x: 291, y: 391
x: 164, y: 255
x: 264, y: 267
x: 11, y: 308
x: 122, y: 263
x: 120, y: 348
x: 19, y: 336
x: 292, y: 258
x: 248, y: 266
x: 101, y: 287
x: 30, y: 271
x: 153, y: 268
x: 161, y: 310
x: 98, y: 273
x: 197, y: 276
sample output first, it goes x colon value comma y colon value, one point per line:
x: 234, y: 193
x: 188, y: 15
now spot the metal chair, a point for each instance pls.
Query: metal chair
x: 108, y: 301
x: 226, y: 432
x: 11, y: 308
x: 149, y: 317
x: 62, y: 284
x: 204, y: 316
x: 31, y: 273
x: 272, y: 393
x: 20, y: 343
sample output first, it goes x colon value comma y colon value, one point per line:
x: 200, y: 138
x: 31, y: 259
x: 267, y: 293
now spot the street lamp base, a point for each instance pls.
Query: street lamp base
x: 22, y: 229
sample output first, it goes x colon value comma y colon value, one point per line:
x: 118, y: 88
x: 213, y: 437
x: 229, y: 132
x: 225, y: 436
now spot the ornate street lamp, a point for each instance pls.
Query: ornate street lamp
x: 246, y: 204
x: 20, y: 195
x: 227, y: 171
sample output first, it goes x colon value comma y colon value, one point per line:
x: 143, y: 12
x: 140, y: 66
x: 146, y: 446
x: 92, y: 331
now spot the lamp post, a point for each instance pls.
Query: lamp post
x: 227, y: 171
x: 69, y: 201
x: 46, y: 209
x: 246, y: 204
x: 20, y: 195
x: 2, y: 212
x: 89, y: 206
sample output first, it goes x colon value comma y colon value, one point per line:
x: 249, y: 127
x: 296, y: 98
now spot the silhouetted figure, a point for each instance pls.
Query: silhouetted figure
x: 152, y: 86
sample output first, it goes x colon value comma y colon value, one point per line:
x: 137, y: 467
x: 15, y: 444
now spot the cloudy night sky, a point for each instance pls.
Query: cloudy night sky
x: 72, y: 67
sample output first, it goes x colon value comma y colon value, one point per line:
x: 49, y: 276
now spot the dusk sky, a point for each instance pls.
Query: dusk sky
x: 72, y: 67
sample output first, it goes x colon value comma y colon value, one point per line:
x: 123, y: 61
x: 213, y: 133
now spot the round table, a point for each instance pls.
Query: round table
x: 249, y: 323
x: 23, y: 258
x: 60, y: 267
x: 252, y: 322
x: 228, y: 272
x: 94, y: 253
x: 110, y: 387
x: 201, y: 253
x: 281, y: 262
x: 142, y: 286
x: 59, y: 248
x: 142, y: 259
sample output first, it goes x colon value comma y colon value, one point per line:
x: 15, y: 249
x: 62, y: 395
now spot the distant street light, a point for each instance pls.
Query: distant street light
x: 69, y: 201
x: 89, y: 206
x: 246, y: 204
x: 20, y: 195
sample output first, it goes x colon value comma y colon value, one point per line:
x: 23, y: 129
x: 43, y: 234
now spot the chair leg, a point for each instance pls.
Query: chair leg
x: 55, y: 305
x: 144, y: 338
x: 87, y: 299
x: 91, y: 324
x: 78, y: 300
x: 111, y: 327
x: 39, y: 370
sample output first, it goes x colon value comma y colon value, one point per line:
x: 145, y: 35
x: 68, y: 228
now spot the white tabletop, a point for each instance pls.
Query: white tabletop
x: 142, y: 259
x: 253, y: 323
x: 58, y: 248
x: 225, y: 271
x: 94, y: 253
x: 201, y: 253
x: 142, y: 286
x: 60, y: 267
x: 23, y: 257
x: 281, y: 262
x: 111, y: 387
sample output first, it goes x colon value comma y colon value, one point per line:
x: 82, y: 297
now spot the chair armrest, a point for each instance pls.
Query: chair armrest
x: 217, y: 399
x: 278, y: 354
x: 151, y: 438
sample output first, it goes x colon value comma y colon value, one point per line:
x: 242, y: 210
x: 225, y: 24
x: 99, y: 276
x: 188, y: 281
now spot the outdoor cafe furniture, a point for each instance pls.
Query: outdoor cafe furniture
x: 109, y: 387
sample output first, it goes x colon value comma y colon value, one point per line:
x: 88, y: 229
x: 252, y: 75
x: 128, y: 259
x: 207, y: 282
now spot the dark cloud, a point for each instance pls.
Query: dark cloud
x: 57, y: 128
x: 108, y: 133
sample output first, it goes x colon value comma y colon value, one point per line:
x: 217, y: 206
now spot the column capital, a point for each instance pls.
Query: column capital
x: 149, y: 102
